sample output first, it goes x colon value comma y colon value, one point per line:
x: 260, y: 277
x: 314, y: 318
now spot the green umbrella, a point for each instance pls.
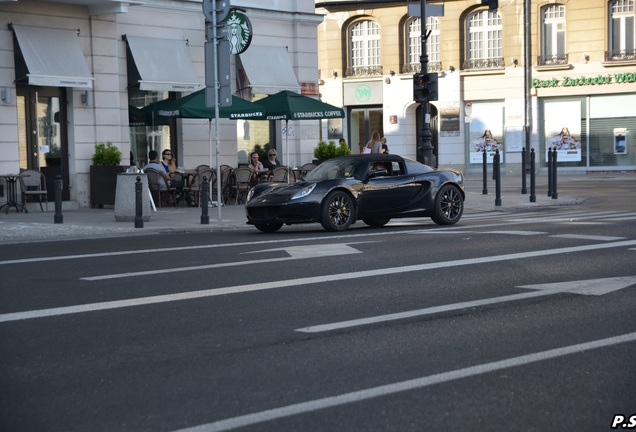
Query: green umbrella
x: 193, y: 106
x: 287, y: 105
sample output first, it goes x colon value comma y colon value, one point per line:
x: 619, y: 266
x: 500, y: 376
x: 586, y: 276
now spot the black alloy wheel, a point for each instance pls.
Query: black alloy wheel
x: 337, y: 211
x: 449, y: 206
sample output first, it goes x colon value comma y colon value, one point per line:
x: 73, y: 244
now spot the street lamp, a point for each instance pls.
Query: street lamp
x: 425, y: 148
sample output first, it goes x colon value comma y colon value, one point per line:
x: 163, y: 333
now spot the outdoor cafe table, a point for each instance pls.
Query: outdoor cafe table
x: 12, y: 193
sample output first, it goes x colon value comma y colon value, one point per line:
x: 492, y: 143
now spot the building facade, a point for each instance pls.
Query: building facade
x: 75, y: 73
x: 538, y: 74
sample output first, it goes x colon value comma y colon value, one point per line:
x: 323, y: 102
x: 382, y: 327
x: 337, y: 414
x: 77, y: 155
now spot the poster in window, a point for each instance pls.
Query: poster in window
x: 486, y: 132
x: 563, y: 130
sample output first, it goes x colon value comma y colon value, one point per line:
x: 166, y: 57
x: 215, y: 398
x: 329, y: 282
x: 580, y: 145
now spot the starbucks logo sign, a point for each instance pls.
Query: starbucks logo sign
x: 239, y: 32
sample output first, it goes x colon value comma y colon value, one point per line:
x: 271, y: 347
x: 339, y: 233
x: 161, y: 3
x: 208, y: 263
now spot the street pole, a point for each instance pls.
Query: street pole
x: 425, y: 148
x: 527, y: 70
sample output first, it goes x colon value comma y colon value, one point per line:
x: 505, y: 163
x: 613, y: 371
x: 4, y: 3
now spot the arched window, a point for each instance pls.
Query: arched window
x: 364, y: 49
x: 484, y: 40
x: 553, y: 35
x: 414, y: 45
x: 621, y: 30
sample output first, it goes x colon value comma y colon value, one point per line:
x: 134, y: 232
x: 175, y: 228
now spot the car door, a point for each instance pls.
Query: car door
x: 386, y: 195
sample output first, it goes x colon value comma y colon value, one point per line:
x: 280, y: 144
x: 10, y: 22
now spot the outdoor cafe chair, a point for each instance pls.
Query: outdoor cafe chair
x: 154, y: 184
x: 33, y: 184
x: 283, y: 174
x: 242, y: 182
x: 196, y: 187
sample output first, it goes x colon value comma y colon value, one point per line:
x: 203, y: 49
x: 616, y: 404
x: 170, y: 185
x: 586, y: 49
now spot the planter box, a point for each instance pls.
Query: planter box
x: 104, y: 184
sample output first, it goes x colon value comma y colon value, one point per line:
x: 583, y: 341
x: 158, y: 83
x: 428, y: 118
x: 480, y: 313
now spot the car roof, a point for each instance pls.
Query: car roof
x: 374, y: 157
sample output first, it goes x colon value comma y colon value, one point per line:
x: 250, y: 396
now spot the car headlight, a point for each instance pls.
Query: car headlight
x: 304, y: 192
x: 250, y: 194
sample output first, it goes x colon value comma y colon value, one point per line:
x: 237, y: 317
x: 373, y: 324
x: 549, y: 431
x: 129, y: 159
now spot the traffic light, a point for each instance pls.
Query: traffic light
x: 425, y: 87
x: 420, y: 87
x: 492, y: 4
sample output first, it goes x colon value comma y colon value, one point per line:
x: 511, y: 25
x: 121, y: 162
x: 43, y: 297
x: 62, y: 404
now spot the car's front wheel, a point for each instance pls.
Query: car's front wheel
x: 376, y: 223
x: 337, y: 211
x: 268, y: 228
x: 449, y: 206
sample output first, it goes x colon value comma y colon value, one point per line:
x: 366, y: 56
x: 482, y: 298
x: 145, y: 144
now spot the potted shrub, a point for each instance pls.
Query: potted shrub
x: 328, y: 150
x: 103, y: 174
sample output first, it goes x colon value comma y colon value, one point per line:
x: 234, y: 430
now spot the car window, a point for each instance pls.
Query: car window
x: 336, y: 169
x: 413, y: 167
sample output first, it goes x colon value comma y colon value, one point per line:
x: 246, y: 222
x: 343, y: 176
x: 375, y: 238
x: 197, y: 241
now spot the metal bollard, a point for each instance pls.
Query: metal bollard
x: 497, y: 174
x: 555, y: 194
x: 533, y: 197
x: 484, y: 191
x: 139, y: 219
x: 58, y: 218
x: 205, y: 197
x: 524, y: 189
x: 550, y: 171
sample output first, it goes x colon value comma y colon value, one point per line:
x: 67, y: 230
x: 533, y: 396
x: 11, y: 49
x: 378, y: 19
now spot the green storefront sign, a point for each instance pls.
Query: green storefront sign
x: 619, y: 78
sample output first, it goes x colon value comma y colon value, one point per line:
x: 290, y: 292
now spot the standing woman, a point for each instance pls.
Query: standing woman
x: 374, y: 145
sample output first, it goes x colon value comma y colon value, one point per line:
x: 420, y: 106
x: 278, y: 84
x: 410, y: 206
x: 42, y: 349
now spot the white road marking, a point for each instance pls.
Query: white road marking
x: 521, y: 233
x: 402, y: 386
x: 294, y: 252
x: 585, y: 287
x: 588, y: 237
x: 16, y: 316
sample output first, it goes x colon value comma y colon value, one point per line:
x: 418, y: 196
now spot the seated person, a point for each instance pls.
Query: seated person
x: 271, y: 162
x: 154, y: 164
x: 260, y: 172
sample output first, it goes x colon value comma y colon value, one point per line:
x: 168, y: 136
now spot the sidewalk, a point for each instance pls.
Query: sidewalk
x: 89, y: 223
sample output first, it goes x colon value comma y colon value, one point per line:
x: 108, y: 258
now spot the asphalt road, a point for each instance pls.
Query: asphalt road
x: 508, y: 321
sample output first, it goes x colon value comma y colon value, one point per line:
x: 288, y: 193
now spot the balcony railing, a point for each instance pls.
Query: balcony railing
x: 484, y: 63
x: 620, y: 55
x: 552, y: 59
x: 363, y: 71
x: 412, y: 68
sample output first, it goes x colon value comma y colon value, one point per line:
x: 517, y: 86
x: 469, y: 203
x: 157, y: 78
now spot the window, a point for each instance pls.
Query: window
x: 364, y: 51
x: 621, y: 31
x: 414, y: 45
x: 484, y: 40
x: 553, y: 40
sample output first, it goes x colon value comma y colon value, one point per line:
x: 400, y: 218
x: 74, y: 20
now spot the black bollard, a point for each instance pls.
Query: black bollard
x: 58, y: 218
x: 524, y: 189
x: 533, y: 197
x: 205, y: 197
x: 139, y: 219
x: 555, y: 194
x: 485, y: 172
x: 497, y: 173
x: 550, y: 171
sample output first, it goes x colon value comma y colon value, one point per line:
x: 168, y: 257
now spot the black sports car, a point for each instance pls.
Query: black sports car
x: 370, y: 187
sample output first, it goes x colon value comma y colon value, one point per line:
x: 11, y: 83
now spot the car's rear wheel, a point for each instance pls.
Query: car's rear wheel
x: 337, y: 211
x: 268, y: 228
x: 449, y: 206
x: 376, y: 223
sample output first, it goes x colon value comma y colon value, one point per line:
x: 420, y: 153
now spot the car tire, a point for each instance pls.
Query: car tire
x: 268, y: 228
x: 337, y: 211
x: 449, y: 206
x: 376, y: 223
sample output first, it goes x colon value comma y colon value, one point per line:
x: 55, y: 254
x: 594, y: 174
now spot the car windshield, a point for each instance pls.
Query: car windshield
x: 336, y: 169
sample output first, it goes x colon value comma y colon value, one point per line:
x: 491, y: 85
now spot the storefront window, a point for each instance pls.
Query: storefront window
x: 146, y: 133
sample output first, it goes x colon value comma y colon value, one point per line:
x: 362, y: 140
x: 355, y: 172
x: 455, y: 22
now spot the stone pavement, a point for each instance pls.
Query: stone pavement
x: 86, y: 223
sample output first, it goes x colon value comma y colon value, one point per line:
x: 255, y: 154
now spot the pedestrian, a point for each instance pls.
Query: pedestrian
x: 374, y: 145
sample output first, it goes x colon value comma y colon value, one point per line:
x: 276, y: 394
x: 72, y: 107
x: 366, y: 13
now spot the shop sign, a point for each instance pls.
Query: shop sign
x: 239, y: 32
x: 619, y: 78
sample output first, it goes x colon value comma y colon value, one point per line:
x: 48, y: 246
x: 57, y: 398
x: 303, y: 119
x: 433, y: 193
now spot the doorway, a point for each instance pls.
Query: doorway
x: 42, y: 137
x: 362, y: 123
